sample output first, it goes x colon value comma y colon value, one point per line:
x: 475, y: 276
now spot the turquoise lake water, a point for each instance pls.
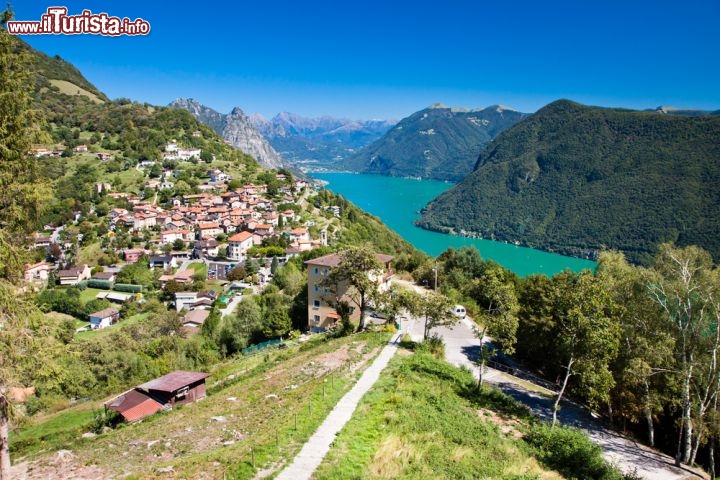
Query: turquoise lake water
x: 397, y: 201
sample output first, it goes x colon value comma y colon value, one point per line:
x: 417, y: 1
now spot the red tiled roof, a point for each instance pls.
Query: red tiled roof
x: 240, y: 237
x: 134, y: 405
x: 173, y: 381
x: 208, y: 225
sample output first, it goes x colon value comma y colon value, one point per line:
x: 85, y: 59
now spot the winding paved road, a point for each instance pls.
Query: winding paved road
x: 461, y: 347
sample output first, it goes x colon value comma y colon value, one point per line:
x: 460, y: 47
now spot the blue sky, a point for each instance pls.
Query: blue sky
x: 388, y: 59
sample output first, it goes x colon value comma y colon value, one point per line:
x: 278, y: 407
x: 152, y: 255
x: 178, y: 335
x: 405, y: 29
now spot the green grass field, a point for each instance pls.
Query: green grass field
x: 424, y: 419
x: 200, y: 268
x: 94, y: 334
x: 89, y: 294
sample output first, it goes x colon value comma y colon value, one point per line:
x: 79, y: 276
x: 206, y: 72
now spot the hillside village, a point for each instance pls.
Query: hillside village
x: 219, y: 226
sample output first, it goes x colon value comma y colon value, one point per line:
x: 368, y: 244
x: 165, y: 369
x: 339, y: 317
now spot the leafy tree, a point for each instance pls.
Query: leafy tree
x: 645, y: 362
x: 496, y: 296
x: 95, y: 305
x: 437, y: 310
x: 684, y: 286
x: 178, y: 244
x: 237, y: 273
x: 137, y: 273
x: 587, y: 336
x: 241, y: 328
x: 26, y: 346
x: 278, y: 323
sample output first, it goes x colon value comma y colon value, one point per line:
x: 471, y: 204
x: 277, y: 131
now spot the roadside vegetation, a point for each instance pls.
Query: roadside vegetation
x: 425, y: 419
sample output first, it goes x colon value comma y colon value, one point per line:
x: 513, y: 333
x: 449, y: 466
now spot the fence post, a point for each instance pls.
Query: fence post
x: 252, y: 451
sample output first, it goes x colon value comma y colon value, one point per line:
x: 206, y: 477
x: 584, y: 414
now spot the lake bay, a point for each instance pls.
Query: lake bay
x: 397, y: 201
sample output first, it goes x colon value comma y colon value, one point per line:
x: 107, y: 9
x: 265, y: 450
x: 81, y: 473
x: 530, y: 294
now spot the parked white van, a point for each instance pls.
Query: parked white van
x: 459, y: 311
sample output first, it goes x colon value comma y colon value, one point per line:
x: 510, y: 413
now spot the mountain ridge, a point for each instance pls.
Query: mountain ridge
x: 438, y: 142
x: 574, y: 179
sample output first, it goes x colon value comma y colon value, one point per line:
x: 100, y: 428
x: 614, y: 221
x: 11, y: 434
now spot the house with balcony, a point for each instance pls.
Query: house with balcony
x: 322, y: 315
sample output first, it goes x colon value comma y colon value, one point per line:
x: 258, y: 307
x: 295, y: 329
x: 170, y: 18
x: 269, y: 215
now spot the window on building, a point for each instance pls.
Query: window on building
x: 317, y: 289
x: 315, y: 270
x: 316, y: 318
x: 316, y: 303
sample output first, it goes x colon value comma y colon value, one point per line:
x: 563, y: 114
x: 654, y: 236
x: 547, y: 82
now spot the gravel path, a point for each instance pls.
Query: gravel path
x: 315, y: 449
x: 461, y: 346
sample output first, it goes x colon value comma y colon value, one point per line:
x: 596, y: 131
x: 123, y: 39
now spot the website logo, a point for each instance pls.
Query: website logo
x: 57, y: 22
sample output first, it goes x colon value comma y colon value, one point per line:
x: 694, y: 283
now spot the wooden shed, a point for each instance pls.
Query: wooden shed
x: 176, y: 388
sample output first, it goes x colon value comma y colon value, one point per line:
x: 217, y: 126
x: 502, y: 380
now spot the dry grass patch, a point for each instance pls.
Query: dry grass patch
x: 391, y: 457
x: 69, y: 88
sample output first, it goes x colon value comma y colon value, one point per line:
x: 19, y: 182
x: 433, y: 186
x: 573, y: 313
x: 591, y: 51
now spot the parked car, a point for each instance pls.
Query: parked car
x: 459, y: 311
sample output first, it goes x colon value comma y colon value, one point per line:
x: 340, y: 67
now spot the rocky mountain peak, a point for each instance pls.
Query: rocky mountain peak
x: 236, y: 128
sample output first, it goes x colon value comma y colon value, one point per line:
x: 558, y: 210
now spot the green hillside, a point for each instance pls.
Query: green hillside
x: 49, y: 68
x: 574, y: 179
x: 437, y: 142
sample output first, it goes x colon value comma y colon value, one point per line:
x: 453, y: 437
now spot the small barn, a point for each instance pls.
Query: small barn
x: 176, y: 388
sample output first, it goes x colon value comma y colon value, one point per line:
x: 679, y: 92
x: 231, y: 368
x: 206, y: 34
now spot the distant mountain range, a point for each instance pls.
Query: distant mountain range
x: 318, y: 143
x: 438, y: 142
x: 235, y: 128
x: 574, y: 179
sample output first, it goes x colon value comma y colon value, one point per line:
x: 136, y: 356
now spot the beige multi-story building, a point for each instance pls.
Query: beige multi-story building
x: 321, y: 313
x: 239, y: 244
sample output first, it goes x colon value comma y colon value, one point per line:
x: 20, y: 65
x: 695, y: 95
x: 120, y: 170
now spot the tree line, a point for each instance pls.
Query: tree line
x: 638, y: 344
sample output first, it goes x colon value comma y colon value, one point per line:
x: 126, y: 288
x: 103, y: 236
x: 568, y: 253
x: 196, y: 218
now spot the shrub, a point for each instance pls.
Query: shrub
x: 434, y: 346
x: 101, y: 284
x: 570, y: 452
x: 127, y: 287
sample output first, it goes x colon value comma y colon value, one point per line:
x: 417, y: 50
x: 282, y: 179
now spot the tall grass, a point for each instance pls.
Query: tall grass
x: 421, y: 421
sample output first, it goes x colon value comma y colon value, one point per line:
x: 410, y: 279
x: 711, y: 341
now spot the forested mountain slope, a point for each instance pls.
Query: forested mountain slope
x: 574, y: 179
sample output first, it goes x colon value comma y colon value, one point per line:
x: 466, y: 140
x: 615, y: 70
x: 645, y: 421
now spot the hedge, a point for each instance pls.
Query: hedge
x: 127, y: 287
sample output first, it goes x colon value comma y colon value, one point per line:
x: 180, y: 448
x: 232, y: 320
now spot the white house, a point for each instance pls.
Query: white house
x: 104, y: 318
x: 185, y: 300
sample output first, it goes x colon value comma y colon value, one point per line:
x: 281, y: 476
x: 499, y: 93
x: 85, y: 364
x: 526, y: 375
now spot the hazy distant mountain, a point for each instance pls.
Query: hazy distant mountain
x: 574, y: 179
x: 683, y: 111
x: 235, y: 128
x: 322, y: 142
x: 437, y: 142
